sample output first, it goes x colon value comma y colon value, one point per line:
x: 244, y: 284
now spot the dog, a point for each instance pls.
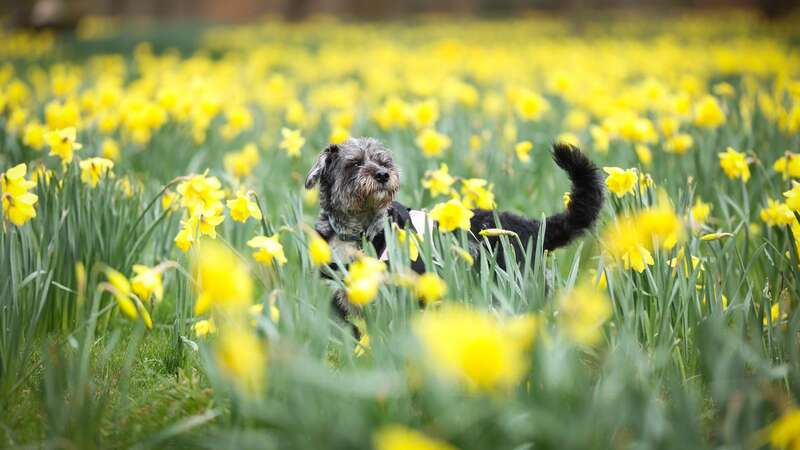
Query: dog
x: 358, y: 181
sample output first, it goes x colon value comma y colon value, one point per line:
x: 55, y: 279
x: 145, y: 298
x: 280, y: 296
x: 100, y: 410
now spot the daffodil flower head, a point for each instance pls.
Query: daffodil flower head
x: 268, y: 250
x: 439, y: 181
x: 63, y: 143
x: 243, y: 207
x: 734, y: 164
x: 621, y: 181
x: 18, y: 203
x: 93, y: 169
x: 452, y: 215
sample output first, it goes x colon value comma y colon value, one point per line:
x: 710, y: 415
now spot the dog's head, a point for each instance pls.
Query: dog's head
x: 357, y: 177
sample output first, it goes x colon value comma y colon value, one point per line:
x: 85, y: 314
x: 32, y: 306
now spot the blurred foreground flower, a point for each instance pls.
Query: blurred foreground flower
x: 396, y: 437
x: 784, y: 433
x: 363, y: 280
x: 147, y: 281
x: 223, y: 280
x: 793, y: 197
x: 430, y: 288
x: 582, y: 312
x: 319, y: 251
x: 241, y: 357
x: 120, y: 287
x: 473, y: 347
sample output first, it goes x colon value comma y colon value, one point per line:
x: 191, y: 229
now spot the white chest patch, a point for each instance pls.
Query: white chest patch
x: 419, y: 221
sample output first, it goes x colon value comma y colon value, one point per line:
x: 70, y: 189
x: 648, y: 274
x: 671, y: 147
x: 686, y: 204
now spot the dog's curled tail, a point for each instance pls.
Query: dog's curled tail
x: 586, y: 197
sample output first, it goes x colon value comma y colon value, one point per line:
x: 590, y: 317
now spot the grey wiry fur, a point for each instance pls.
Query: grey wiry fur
x: 353, y: 202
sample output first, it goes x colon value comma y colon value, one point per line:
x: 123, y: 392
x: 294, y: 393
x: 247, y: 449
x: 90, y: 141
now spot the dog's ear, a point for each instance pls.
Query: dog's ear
x: 323, y: 159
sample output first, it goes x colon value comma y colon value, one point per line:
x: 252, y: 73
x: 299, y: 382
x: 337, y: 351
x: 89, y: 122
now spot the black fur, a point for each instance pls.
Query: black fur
x: 560, y: 229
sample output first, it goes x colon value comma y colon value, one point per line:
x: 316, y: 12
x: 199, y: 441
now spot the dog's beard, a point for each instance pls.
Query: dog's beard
x: 374, y: 196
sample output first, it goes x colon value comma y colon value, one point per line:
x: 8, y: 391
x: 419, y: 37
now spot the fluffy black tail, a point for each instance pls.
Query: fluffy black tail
x: 586, y: 197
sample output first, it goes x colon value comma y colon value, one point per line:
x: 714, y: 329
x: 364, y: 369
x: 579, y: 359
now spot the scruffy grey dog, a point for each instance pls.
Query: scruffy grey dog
x: 358, y: 181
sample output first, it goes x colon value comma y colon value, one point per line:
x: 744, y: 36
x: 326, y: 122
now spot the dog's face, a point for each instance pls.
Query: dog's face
x: 357, y: 177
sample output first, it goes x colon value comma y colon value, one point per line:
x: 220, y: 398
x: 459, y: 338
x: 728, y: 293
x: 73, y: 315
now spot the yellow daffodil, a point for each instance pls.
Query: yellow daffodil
x: 430, y: 288
x: 110, y: 149
x: 700, y: 211
x: 34, y: 135
x: 452, y: 215
x: 204, y: 327
x: 147, y: 281
x: 363, y: 280
x: 131, y: 307
x: 477, y: 193
x: 734, y: 164
x: 619, y: 181
x: 268, y: 250
x: 439, y: 181
x: 18, y: 203
x: 784, y: 433
x: 644, y: 154
x: 93, y: 169
x: 63, y: 143
x: 522, y: 149
x: 292, y: 141
x: 793, y: 197
x: 531, y: 106
x: 319, y: 251
x: 788, y: 165
x: 708, y: 113
x: 776, y: 214
x: 432, y: 143
x: 243, y: 208
x: 425, y: 114
x: 240, y: 164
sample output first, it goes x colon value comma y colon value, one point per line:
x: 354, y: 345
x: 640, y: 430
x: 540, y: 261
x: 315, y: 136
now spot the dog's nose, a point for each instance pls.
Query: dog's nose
x: 382, y: 176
